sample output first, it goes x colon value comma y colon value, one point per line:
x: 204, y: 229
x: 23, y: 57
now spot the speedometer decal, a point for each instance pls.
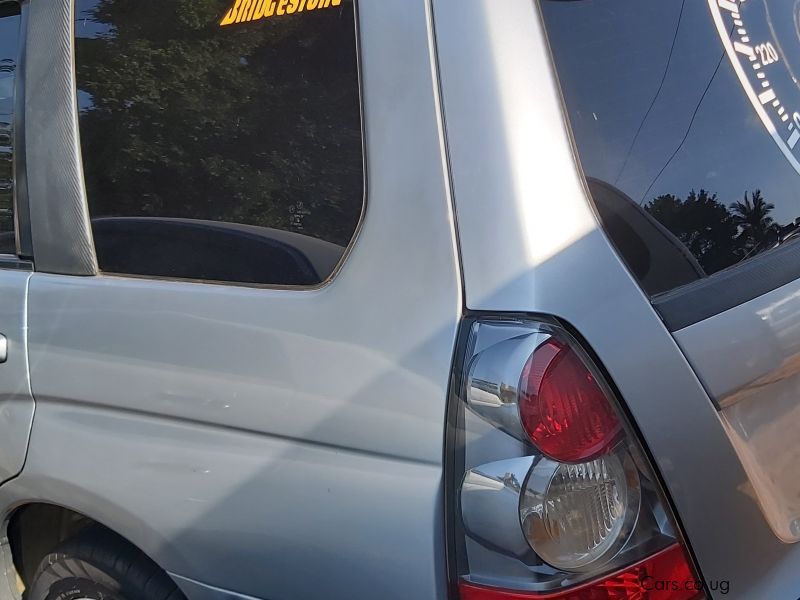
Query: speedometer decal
x: 761, y: 49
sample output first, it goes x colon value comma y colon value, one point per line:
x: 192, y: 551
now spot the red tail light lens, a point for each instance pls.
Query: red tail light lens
x: 563, y: 409
x: 663, y: 576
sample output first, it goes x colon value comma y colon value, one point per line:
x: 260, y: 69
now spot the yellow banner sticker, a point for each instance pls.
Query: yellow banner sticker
x: 244, y: 11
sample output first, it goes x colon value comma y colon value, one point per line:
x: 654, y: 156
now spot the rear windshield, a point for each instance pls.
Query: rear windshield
x: 683, y: 114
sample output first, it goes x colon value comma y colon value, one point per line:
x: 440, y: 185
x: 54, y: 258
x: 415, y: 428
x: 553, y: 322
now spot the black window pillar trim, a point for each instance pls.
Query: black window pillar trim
x: 21, y: 205
x: 59, y: 214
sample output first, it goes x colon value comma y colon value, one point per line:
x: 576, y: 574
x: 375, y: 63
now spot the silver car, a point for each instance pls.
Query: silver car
x: 399, y: 299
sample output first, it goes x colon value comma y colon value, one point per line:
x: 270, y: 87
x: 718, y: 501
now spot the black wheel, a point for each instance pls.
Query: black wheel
x: 98, y: 565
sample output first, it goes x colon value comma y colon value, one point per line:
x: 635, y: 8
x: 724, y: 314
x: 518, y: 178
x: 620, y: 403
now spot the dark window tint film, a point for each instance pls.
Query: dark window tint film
x: 9, y: 51
x: 685, y: 115
x: 221, y: 139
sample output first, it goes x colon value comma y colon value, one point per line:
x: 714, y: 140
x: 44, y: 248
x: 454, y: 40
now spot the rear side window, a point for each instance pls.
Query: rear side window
x: 685, y: 119
x: 221, y: 139
x: 9, y: 51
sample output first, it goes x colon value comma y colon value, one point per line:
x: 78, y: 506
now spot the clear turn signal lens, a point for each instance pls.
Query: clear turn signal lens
x: 578, y: 516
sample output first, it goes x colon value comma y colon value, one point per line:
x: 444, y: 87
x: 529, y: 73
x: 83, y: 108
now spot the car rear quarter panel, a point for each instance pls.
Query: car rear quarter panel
x: 531, y: 243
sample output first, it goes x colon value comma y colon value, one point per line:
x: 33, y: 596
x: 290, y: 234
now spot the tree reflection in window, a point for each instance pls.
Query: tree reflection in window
x: 256, y: 124
x: 720, y: 236
x: 9, y: 33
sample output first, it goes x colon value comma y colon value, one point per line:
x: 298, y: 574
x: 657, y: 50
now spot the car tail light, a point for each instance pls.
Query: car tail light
x: 554, y: 495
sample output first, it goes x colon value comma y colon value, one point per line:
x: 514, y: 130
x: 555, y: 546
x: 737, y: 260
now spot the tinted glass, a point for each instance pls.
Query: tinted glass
x: 220, y: 150
x: 9, y: 48
x: 683, y: 113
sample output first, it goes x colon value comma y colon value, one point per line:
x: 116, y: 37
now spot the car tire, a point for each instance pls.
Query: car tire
x: 99, y: 565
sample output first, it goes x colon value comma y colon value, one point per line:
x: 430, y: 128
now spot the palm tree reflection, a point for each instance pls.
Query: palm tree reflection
x: 757, y: 230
